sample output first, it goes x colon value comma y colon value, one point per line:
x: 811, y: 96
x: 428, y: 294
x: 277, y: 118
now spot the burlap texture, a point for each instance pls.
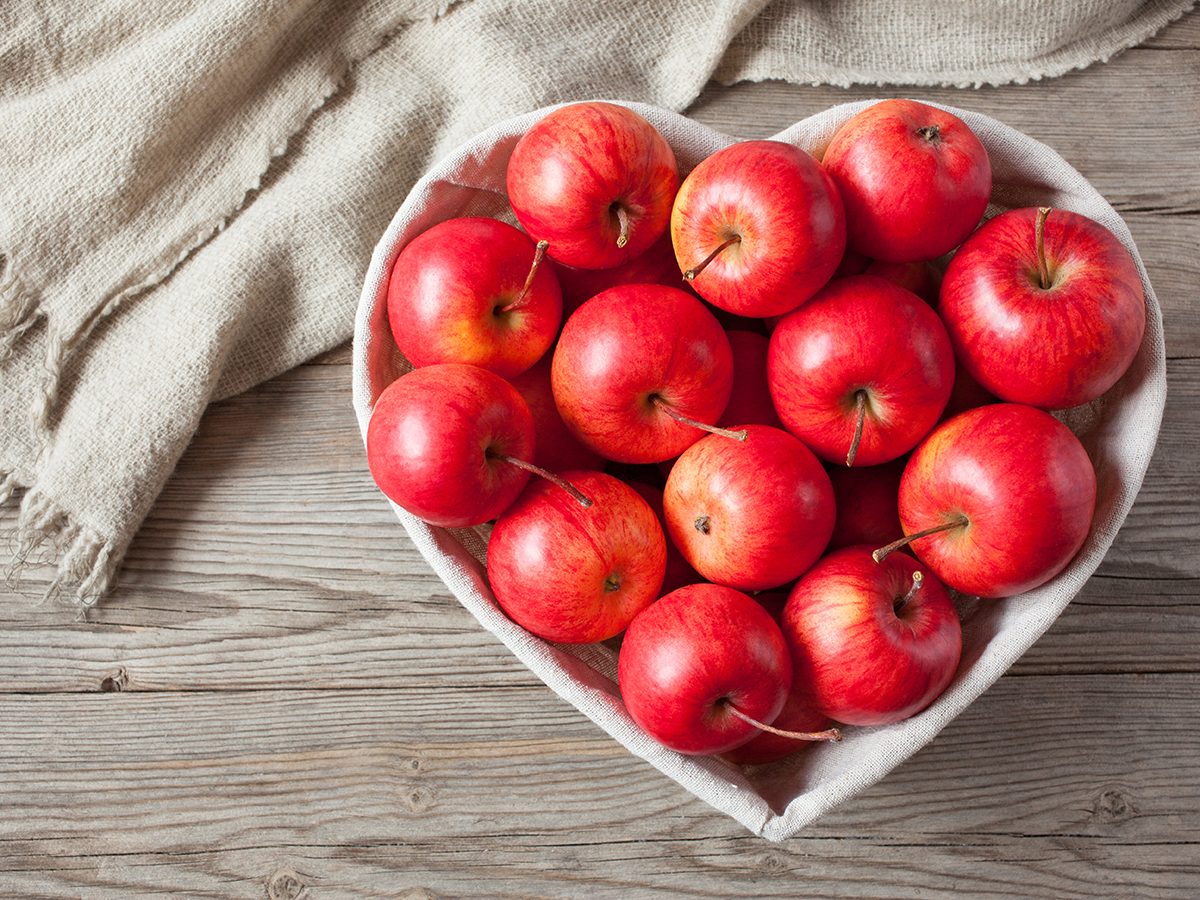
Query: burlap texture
x: 776, y: 801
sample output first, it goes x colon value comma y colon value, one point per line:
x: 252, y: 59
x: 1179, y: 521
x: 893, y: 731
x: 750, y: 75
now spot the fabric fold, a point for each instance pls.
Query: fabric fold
x: 135, y: 131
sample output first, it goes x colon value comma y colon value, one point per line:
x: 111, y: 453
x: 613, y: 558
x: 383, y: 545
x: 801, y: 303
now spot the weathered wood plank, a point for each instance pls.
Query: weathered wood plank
x: 432, y: 642
x: 271, y: 560
x: 1113, y: 122
x: 1087, y: 786
x: 1063, y: 868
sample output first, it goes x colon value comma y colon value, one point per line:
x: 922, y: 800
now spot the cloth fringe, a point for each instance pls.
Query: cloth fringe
x: 18, y: 311
x: 85, y: 561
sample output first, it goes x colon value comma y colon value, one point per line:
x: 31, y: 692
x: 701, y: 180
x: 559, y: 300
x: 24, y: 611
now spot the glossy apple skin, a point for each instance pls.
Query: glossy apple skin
x: 678, y: 573
x: 448, y: 286
x: 919, y: 278
x: 655, y: 266
x: 627, y: 345
x: 789, y: 218
x: 557, y: 449
x: 1052, y: 347
x: 750, y: 515
x: 750, y: 399
x: 429, y: 437
x: 694, y: 648
x: 864, y: 663
x: 1025, y: 485
x: 907, y: 197
x: 861, y: 333
x: 573, y: 574
x: 570, y: 171
x: 868, y: 505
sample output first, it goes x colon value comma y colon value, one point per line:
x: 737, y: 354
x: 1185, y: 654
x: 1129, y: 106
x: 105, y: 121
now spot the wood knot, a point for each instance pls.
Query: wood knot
x: 114, y: 681
x: 1113, y: 806
x: 774, y: 864
x: 416, y: 798
x: 285, y: 885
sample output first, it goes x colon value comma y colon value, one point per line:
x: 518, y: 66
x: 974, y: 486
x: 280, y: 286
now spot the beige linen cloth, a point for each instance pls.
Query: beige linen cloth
x: 190, y: 191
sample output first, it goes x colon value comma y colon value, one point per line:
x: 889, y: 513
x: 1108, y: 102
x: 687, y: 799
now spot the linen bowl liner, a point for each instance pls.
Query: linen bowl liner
x: 778, y: 800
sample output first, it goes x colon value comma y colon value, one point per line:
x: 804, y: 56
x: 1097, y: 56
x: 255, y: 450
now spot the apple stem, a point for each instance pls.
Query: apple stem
x: 548, y: 475
x: 690, y: 274
x: 918, y: 578
x: 687, y: 420
x: 623, y: 223
x: 884, y: 552
x: 1039, y: 228
x: 860, y: 409
x: 931, y: 133
x: 539, y: 254
x: 831, y: 734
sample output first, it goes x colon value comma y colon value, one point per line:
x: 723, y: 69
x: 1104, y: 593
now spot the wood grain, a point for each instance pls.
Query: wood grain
x: 281, y: 699
x: 330, y: 594
x: 386, y: 784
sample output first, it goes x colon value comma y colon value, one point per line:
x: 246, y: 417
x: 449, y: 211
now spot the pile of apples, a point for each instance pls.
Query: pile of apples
x: 771, y: 337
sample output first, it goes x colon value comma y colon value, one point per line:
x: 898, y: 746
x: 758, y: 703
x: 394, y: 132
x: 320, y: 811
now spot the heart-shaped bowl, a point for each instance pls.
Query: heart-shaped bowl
x: 779, y: 799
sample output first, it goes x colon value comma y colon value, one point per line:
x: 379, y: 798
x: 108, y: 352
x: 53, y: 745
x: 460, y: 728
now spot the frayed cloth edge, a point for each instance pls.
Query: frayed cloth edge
x: 85, y: 560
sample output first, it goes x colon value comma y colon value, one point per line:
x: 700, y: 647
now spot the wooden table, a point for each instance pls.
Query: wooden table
x: 280, y: 698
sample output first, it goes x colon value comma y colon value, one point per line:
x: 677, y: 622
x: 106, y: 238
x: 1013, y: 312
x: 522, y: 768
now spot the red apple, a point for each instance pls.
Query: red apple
x: 998, y: 500
x: 596, y: 181
x: 440, y: 440
x: 572, y: 573
x: 750, y: 515
x: 1044, y: 307
x: 655, y: 266
x: 867, y: 501
x: 862, y: 372
x: 919, y: 278
x: 915, y: 180
x: 472, y: 291
x: 750, y: 399
x: 875, y: 643
x: 639, y: 370
x: 557, y: 449
x: 679, y: 573
x: 758, y: 228
x: 692, y: 659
